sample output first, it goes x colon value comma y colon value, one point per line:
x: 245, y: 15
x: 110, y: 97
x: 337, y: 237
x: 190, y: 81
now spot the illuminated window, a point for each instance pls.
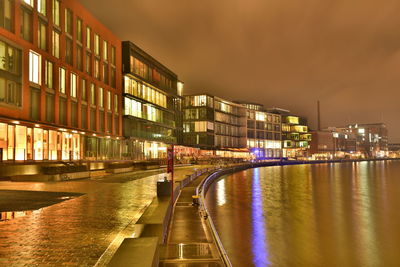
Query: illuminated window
x: 96, y: 44
x: 116, y: 103
x: 55, y: 50
x: 42, y: 35
x: 34, y: 67
x: 56, y: 12
x: 79, y: 30
x: 97, y: 68
x: 108, y: 100
x: 62, y: 82
x: 88, y: 63
x: 41, y: 7
x: 29, y: 2
x: 92, y: 94
x: 113, y: 55
x: 260, y: 116
x: 88, y: 37
x: 105, y: 50
x: 83, y: 90
x: 292, y: 120
x: 73, y: 85
x: 48, y: 74
x: 132, y: 107
x: 101, y: 97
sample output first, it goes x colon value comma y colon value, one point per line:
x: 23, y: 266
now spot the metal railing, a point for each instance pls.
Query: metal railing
x: 200, y: 191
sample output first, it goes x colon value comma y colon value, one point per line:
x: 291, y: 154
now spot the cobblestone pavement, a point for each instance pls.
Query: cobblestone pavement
x: 77, y: 232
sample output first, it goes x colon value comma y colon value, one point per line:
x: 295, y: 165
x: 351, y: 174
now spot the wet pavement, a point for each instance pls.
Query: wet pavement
x: 81, y: 231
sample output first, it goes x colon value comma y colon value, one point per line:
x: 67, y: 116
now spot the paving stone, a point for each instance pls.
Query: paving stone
x: 76, y: 232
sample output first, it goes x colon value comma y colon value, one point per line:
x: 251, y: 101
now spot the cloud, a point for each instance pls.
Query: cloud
x: 280, y: 53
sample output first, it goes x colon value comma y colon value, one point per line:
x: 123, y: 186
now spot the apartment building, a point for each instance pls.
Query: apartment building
x: 60, y: 83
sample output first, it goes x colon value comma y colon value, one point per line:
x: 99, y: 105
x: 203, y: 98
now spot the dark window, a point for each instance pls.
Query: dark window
x: 42, y: 35
x: 74, y: 114
x: 79, y: 55
x: 7, y: 14
x: 63, y: 111
x: 109, y: 122
x: 49, y: 107
x: 10, y: 74
x: 68, y: 51
x: 68, y: 21
x: 113, y: 77
x: 35, y: 104
x: 105, y: 73
x: 26, y: 24
x: 116, y: 125
x: 101, y: 121
x: 84, y: 116
x: 89, y: 63
x: 93, y: 119
x: 83, y: 90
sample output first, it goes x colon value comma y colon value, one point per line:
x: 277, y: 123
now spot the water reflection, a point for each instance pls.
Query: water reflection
x: 310, y: 215
x: 259, y: 248
x: 221, y: 192
x: 10, y: 215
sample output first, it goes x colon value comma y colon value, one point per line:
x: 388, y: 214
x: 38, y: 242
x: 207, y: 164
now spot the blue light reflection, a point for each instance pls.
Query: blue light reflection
x: 259, y: 248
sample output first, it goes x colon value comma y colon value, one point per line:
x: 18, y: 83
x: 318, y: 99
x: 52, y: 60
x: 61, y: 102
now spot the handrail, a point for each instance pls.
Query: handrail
x: 200, y: 192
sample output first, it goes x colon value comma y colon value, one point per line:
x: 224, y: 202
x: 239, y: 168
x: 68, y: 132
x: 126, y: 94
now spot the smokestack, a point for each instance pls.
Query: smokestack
x: 319, y: 116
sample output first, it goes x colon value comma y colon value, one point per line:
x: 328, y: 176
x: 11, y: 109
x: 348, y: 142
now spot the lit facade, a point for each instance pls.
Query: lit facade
x: 295, y: 135
x: 210, y: 122
x: 152, y: 104
x: 263, y: 132
x: 60, y: 83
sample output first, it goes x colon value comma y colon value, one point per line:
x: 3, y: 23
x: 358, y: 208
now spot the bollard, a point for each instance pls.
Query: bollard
x: 195, y: 199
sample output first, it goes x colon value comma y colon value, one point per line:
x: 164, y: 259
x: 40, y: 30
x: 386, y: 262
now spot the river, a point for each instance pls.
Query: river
x: 338, y: 214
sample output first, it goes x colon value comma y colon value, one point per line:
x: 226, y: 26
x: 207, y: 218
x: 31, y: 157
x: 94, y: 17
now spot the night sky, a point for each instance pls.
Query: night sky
x: 280, y: 53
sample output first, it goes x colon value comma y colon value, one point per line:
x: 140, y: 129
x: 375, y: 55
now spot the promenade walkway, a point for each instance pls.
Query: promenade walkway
x: 189, y: 243
x: 85, y: 228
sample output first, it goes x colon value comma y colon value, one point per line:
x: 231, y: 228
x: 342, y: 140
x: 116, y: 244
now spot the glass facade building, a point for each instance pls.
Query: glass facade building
x: 152, y: 102
x: 263, y: 132
x: 211, y: 122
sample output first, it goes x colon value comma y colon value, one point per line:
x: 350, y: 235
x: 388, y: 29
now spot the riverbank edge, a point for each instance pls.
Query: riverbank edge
x: 214, y: 176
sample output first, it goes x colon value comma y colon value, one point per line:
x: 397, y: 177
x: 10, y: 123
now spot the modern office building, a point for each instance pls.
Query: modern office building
x: 60, y: 83
x: 210, y: 122
x: 295, y: 135
x: 263, y: 132
x: 152, y: 105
